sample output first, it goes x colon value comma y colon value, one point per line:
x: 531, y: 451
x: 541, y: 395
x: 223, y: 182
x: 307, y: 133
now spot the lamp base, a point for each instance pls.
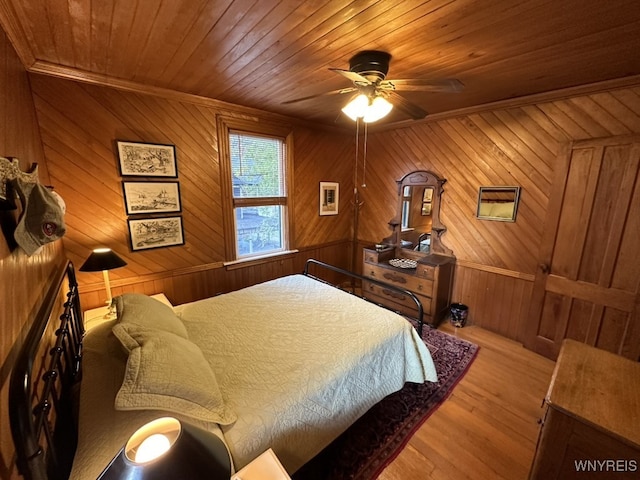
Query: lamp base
x: 111, y: 310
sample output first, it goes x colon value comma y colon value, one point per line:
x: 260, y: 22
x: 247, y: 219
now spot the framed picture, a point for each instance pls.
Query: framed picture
x: 146, y: 233
x: 426, y: 209
x: 151, y: 197
x: 329, y: 198
x: 147, y: 160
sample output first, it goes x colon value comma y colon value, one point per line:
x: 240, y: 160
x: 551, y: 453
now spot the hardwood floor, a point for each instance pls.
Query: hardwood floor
x: 487, y: 428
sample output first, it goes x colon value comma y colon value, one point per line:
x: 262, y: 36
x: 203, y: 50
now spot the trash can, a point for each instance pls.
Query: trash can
x: 459, y: 312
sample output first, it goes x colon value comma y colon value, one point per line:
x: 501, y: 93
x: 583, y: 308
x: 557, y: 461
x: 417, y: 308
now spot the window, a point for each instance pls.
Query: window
x: 256, y: 169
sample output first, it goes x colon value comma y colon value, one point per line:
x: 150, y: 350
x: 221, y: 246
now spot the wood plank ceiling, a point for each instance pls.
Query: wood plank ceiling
x: 262, y: 53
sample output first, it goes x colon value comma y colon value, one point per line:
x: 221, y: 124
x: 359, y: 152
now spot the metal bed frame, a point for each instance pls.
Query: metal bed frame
x: 41, y: 407
x: 399, y: 290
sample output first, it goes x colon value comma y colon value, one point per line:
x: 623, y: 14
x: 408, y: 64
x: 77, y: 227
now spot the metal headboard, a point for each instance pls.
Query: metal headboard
x: 402, y: 291
x: 41, y: 407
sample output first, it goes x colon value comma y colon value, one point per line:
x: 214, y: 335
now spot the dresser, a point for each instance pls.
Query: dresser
x: 430, y: 281
x: 591, y: 425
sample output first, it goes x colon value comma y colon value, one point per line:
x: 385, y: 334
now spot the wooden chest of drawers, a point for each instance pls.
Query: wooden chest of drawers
x: 430, y: 281
x: 591, y: 427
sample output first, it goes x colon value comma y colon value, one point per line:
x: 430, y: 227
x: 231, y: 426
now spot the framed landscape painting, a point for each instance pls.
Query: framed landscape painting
x: 146, y: 233
x: 147, y: 160
x: 151, y: 197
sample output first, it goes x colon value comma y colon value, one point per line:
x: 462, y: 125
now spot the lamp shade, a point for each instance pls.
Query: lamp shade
x: 167, y: 448
x: 379, y: 108
x: 356, y: 107
x: 102, y: 259
x: 367, y: 108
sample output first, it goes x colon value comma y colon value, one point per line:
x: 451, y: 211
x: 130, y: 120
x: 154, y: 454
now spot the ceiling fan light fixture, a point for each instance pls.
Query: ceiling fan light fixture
x: 369, y: 110
x: 357, y: 107
x: 379, y: 108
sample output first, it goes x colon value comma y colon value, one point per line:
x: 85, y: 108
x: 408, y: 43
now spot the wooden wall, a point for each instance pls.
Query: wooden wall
x: 504, y: 145
x: 79, y: 125
x: 21, y: 277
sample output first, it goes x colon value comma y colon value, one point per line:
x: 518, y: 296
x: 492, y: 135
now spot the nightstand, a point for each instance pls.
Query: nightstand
x: 265, y: 467
x: 96, y: 316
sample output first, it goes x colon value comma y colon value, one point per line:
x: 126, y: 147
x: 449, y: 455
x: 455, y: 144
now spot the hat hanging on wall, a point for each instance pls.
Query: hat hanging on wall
x: 10, y: 170
x: 42, y: 218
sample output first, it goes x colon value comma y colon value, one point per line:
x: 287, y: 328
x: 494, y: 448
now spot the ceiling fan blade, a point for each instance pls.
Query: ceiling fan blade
x: 423, y: 85
x: 353, y: 76
x: 406, y: 106
x: 333, y: 92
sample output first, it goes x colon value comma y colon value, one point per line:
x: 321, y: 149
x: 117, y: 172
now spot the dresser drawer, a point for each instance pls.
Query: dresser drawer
x: 426, y: 271
x: 415, y: 284
x: 396, y: 300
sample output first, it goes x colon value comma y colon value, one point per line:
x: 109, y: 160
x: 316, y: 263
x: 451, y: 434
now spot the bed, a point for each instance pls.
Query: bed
x: 290, y: 370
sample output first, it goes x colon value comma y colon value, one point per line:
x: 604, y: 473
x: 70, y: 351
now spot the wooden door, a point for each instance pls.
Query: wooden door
x: 586, y: 286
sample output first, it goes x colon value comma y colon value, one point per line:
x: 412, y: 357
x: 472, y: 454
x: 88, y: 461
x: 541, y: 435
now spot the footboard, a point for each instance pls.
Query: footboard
x: 40, y: 390
x: 393, y: 288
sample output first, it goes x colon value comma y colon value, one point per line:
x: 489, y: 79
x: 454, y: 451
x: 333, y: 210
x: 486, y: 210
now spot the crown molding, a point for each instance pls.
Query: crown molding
x: 69, y: 73
x: 552, y: 95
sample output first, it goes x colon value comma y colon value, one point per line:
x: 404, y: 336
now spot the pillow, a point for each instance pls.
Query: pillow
x: 148, y: 312
x: 167, y: 372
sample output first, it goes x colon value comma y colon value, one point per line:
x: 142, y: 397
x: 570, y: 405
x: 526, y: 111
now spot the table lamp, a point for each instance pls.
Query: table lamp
x: 167, y: 448
x: 103, y: 259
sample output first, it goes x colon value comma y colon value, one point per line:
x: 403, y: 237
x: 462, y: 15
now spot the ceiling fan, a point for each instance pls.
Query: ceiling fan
x: 368, y: 70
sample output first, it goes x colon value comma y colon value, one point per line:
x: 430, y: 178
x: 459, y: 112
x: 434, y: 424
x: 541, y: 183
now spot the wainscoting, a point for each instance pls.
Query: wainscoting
x: 190, y: 284
x: 498, y: 299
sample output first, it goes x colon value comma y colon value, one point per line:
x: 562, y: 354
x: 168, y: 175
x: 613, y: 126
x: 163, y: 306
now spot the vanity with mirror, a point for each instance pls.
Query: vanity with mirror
x: 413, y: 257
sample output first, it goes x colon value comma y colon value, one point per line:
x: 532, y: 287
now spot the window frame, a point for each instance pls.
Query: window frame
x: 227, y: 125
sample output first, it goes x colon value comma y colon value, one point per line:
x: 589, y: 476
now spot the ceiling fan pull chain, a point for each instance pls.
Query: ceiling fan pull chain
x: 355, y: 169
x: 364, y: 157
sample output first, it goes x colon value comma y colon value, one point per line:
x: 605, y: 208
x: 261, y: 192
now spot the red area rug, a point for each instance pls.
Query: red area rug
x: 379, y: 435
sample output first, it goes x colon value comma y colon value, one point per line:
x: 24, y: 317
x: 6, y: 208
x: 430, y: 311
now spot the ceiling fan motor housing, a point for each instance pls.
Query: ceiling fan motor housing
x: 371, y: 64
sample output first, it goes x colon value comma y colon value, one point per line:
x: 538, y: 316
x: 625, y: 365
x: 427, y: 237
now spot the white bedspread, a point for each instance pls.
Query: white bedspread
x: 299, y: 361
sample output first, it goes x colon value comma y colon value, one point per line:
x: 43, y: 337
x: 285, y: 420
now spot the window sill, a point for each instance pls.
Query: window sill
x: 257, y: 260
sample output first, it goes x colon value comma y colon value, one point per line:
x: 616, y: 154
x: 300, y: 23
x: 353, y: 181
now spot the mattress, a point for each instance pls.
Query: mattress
x: 298, y: 361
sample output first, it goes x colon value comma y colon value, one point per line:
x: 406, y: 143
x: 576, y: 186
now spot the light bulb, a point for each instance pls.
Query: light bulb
x: 152, y: 447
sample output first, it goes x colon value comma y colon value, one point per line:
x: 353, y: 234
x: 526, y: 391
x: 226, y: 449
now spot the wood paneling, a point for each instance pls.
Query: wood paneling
x: 194, y: 284
x: 22, y: 278
x: 79, y: 125
x: 518, y: 145
x: 261, y: 54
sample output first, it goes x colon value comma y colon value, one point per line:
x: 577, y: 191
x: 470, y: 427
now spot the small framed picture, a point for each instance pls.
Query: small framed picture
x: 147, y: 160
x: 151, y: 197
x: 146, y: 233
x: 426, y: 209
x: 329, y: 198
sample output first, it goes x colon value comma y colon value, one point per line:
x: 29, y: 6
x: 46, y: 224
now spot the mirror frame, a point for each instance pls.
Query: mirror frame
x: 420, y: 178
x: 502, y: 189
